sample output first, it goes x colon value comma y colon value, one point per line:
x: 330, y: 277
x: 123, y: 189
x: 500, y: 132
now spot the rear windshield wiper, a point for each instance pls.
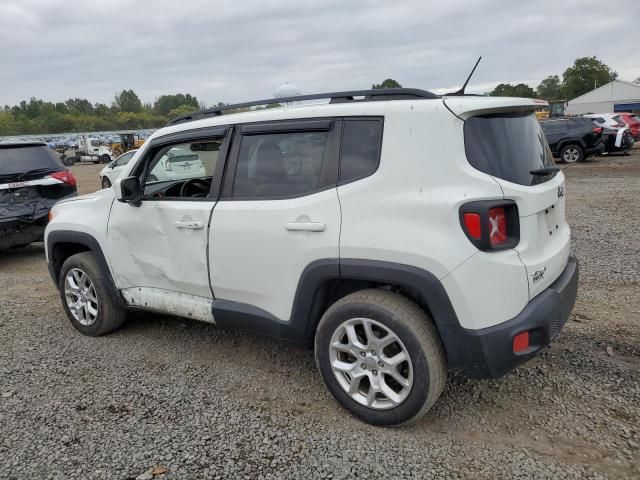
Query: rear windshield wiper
x: 35, y: 171
x: 545, y: 171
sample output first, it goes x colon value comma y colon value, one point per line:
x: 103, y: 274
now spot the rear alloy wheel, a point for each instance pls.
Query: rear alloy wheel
x: 106, y: 183
x: 571, y: 154
x: 380, y: 356
x: 371, y: 363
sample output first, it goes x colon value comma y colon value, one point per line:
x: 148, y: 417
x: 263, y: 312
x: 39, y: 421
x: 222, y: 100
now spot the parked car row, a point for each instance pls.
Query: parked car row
x: 574, y: 139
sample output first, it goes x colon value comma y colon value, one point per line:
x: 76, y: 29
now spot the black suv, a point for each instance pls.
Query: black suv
x: 573, y: 139
x: 32, y: 179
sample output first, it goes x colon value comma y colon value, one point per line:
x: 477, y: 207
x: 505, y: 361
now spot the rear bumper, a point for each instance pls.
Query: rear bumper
x: 597, y: 150
x: 488, y: 352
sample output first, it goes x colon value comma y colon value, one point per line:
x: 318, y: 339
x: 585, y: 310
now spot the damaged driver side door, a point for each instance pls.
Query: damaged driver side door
x: 158, y: 245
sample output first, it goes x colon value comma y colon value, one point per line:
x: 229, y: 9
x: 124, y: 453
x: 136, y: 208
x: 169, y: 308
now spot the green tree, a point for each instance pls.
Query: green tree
x: 166, y: 103
x: 79, y: 106
x: 181, y: 110
x: 584, y: 75
x: 388, y: 83
x: 508, y: 90
x: 127, y: 101
x: 551, y: 88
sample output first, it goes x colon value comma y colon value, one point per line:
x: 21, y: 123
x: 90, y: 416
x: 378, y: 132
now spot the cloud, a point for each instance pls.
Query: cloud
x: 236, y: 51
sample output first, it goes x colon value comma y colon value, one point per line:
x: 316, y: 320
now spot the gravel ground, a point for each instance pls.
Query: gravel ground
x: 181, y: 399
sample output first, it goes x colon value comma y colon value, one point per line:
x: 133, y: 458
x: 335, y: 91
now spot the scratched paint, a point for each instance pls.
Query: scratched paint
x: 172, y: 303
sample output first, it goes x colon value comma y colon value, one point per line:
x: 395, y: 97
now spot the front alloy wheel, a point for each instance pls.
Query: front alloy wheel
x: 371, y: 363
x: 81, y: 297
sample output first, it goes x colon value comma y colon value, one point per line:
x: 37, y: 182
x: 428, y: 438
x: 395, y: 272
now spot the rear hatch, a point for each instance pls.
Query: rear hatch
x: 32, y: 179
x: 509, y: 145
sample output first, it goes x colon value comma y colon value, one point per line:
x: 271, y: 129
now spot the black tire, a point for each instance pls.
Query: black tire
x: 105, y: 158
x: 571, y: 153
x: 111, y: 312
x: 413, y: 326
x: 106, y: 183
x: 69, y: 161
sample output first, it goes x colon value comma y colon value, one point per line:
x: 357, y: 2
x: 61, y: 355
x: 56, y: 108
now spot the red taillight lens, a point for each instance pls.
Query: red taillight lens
x: 472, y: 224
x: 521, y: 342
x: 65, y: 176
x: 497, y: 226
x: 598, y: 130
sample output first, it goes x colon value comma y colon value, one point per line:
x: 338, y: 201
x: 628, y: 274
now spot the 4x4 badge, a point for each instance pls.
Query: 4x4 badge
x: 561, y: 190
x: 538, y: 274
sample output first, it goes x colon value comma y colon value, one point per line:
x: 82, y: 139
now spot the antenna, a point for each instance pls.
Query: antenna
x: 461, y: 91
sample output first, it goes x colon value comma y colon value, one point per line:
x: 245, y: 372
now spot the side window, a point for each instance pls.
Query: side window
x: 124, y: 159
x: 276, y: 165
x: 360, y: 149
x: 174, y: 164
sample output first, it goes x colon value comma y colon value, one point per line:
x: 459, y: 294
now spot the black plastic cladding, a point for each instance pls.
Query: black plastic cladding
x: 335, y: 97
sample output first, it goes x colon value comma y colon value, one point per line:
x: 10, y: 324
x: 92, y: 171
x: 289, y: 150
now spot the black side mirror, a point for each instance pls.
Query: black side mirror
x: 128, y: 190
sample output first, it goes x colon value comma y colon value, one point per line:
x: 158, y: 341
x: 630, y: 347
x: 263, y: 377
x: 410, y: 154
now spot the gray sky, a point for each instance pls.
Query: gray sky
x: 241, y: 50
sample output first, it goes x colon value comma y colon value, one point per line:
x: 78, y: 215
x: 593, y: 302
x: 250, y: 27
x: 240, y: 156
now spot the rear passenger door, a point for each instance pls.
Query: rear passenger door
x: 278, y: 212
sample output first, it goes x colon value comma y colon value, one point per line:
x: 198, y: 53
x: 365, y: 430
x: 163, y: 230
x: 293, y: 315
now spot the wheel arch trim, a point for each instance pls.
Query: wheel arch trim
x: 85, y: 240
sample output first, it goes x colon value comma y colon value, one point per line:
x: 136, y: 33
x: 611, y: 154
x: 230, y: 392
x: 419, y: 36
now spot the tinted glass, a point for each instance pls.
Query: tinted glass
x: 124, y: 159
x: 554, y: 126
x: 279, y: 165
x: 19, y: 159
x: 360, y: 151
x: 508, y: 146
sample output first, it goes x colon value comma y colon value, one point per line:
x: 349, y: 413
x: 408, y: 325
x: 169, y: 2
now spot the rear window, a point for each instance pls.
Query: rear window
x: 508, y: 146
x: 16, y: 159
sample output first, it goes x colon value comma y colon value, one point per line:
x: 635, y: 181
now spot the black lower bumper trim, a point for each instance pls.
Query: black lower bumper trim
x: 488, y: 353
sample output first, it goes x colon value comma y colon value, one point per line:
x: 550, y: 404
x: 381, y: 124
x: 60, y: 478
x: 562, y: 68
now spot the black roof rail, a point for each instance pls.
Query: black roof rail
x: 335, y: 97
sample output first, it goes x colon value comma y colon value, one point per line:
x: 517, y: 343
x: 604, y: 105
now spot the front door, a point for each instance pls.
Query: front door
x: 158, y: 248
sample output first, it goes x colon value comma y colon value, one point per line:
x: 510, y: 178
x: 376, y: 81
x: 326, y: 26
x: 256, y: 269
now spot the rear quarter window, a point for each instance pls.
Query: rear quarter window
x: 360, y: 149
x: 508, y: 146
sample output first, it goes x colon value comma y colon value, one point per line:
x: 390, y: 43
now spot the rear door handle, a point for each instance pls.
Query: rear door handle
x: 305, y: 226
x: 189, y: 225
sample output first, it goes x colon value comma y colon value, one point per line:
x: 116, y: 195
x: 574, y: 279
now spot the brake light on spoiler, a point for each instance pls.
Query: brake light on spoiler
x: 491, y: 224
x: 64, y: 176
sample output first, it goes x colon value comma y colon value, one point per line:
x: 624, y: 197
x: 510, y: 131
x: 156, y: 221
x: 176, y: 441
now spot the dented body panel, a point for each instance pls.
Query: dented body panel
x: 167, y: 301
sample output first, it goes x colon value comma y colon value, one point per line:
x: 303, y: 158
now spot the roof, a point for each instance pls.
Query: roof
x: 22, y: 144
x: 624, y: 90
x: 461, y: 106
x: 380, y: 94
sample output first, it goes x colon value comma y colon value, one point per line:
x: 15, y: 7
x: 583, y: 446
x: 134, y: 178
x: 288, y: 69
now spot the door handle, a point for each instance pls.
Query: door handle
x: 188, y: 225
x: 305, y: 226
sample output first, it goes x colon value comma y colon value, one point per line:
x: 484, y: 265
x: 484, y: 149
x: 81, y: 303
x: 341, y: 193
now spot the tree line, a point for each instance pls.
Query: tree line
x: 80, y: 115
x: 584, y: 75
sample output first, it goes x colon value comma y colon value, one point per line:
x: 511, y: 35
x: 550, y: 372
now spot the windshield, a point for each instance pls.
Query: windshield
x: 16, y: 159
x: 508, y: 146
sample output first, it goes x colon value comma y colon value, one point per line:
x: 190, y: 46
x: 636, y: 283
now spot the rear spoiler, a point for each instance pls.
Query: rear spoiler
x: 465, y: 107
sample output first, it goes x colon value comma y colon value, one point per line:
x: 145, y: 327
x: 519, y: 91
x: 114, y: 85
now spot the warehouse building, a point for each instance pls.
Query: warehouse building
x: 616, y: 96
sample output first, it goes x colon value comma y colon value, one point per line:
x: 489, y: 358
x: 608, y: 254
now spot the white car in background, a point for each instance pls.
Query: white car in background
x: 110, y: 173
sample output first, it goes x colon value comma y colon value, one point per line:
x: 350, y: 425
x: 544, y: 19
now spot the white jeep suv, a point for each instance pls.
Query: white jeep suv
x: 400, y: 234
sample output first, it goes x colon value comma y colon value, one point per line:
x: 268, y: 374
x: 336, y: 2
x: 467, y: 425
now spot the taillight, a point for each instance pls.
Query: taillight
x: 472, y: 224
x: 491, y: 224
x: 597, y: 130
x: 65, y: 176
x: 497, y: 226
